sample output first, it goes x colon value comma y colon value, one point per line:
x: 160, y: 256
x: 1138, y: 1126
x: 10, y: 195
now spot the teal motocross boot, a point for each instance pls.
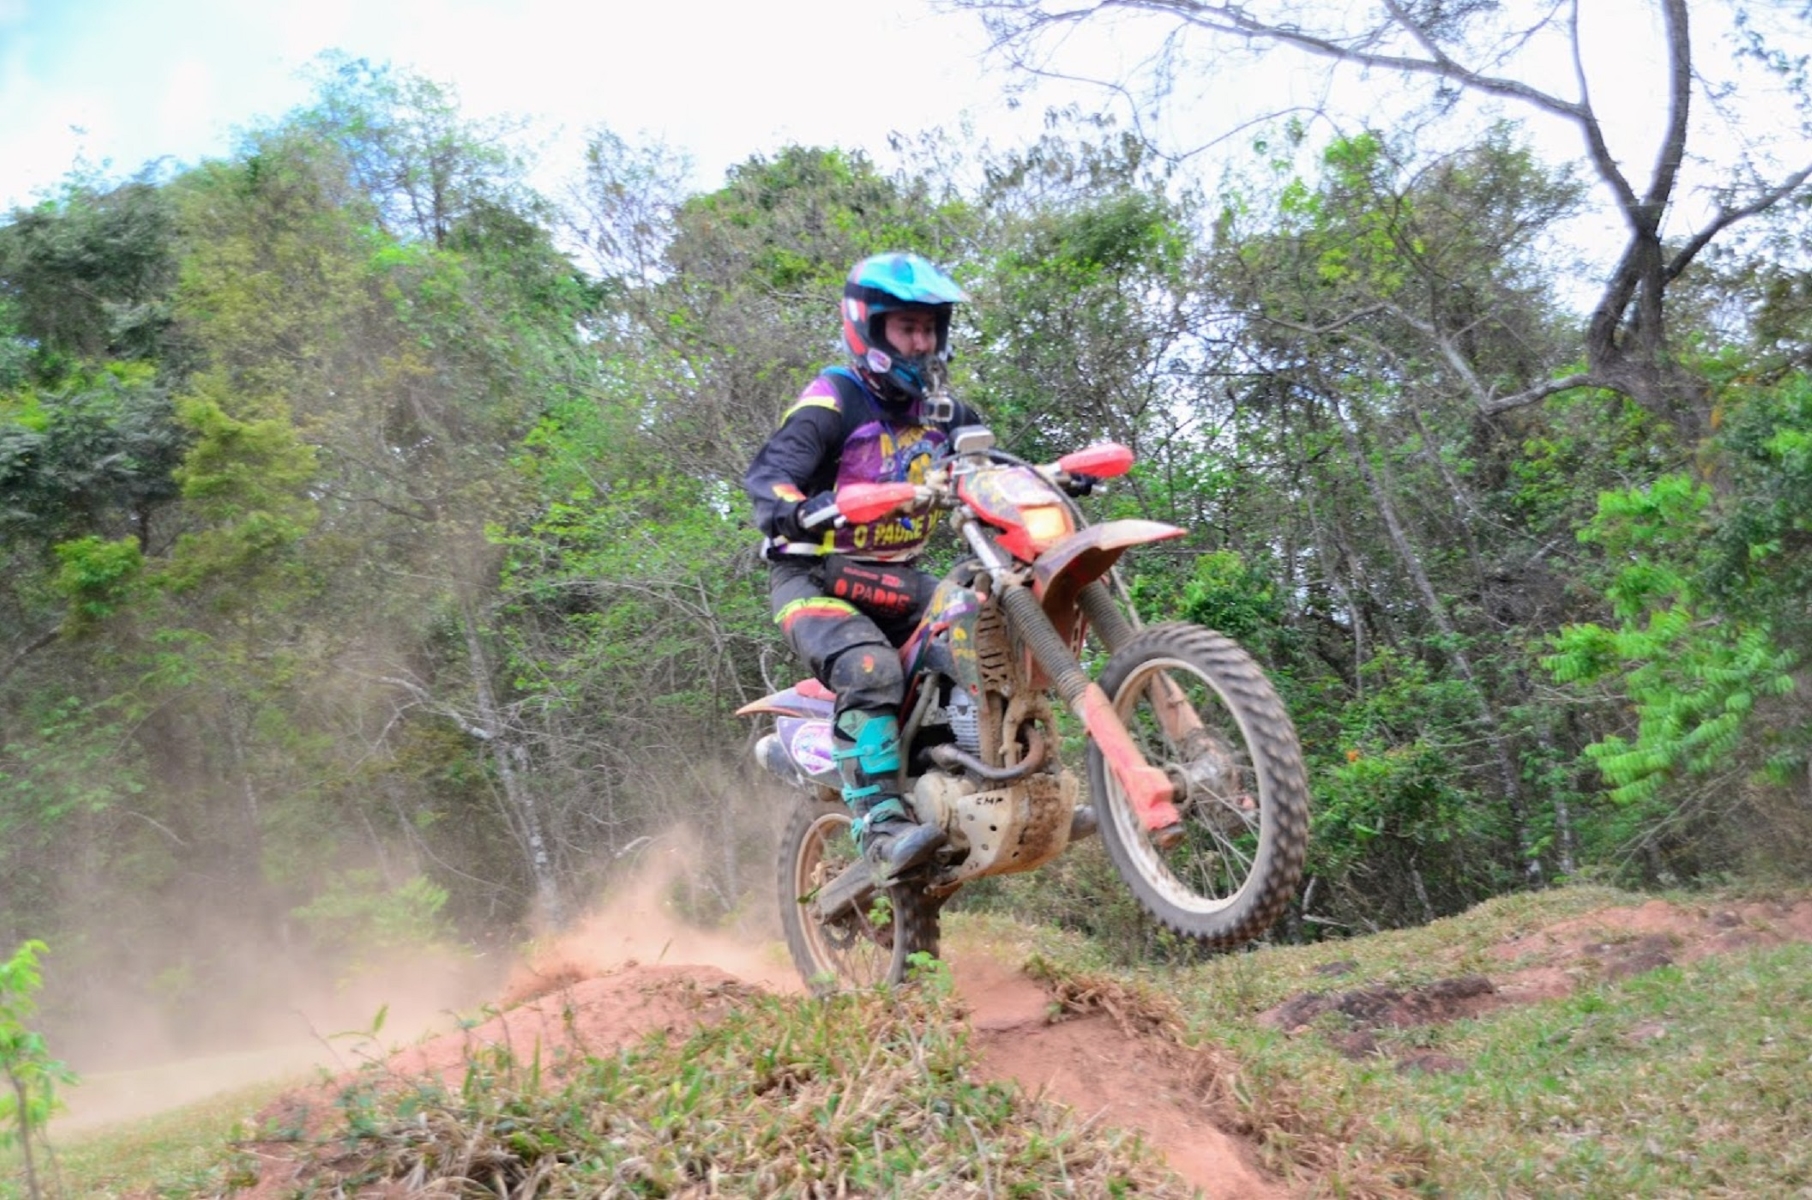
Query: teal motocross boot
x: 868, y: 758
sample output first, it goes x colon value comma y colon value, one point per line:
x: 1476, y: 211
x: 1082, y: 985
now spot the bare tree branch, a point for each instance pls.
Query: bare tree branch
x: 1492, y: 51
x: 1541, y: 392
x: 1729, y: 216
x: 31, y: 647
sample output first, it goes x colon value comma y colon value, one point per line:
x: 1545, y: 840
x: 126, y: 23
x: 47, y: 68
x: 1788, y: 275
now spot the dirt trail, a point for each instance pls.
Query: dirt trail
x: 1088, y: 1063
x: 1106, y: 1075
x: 633, y: 969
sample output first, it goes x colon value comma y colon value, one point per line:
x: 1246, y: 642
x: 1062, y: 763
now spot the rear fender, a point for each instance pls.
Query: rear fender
x: 807, y: 698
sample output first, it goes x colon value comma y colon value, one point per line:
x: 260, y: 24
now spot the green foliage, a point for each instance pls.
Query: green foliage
x: 1759, y: 561
x: 1074, y: 317
x: 92, y: 455
x: 69, y: 763
x: 86, y: 277
x: 1390, y: 803
x: 1693, y: 677
x: 744, y: 307
x: 366, y: 921
x: 98, y: 575
x: 250, y: 477
x: 406, y: 147
x: 32, y: 1075
x: 1228, y: 595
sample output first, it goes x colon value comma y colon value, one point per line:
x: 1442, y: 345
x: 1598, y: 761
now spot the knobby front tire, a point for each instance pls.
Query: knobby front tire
x: 871, y: 945
x: 1242, y: 790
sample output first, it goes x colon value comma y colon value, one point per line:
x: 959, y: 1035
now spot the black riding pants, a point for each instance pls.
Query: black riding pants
x: 852, y: 652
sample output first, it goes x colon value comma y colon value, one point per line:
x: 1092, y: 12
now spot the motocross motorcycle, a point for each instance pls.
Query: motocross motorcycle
x: 1195, y: 776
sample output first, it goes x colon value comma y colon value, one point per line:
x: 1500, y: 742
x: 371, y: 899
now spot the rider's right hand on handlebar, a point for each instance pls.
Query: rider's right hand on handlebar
x: 816, y: 512
x: 866, y: 502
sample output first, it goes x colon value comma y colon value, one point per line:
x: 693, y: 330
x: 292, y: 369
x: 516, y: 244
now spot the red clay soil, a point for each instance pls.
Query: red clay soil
x: 1106, y: 1075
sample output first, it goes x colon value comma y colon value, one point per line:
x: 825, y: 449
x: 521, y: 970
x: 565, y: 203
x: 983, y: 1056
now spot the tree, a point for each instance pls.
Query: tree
x: 408, y: 150
x: 742, y: 306
x: 1542, y: 57
x: 1081, y: 316
x: 93, y: 455
x: 32, y: 1076
x: 1352, y: 294
x: 414, y: 357
x: 87, y: 276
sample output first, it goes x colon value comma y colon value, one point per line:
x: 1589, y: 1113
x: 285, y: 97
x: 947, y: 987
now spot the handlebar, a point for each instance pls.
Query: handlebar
x: 862, y: 503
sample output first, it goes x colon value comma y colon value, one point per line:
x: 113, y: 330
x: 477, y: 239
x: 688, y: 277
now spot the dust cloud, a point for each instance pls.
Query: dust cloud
x: 292, y: 1020
x: 641, y: 921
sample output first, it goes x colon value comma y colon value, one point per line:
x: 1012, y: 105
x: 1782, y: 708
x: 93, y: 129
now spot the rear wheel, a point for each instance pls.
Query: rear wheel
x: 1201, y: 710
x: 871, y: 943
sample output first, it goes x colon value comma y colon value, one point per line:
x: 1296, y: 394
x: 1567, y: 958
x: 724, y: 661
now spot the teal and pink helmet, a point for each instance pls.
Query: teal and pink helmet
x: 887, y: 283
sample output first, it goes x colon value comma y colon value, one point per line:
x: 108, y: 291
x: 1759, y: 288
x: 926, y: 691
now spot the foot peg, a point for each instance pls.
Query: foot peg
x: 891, y: 855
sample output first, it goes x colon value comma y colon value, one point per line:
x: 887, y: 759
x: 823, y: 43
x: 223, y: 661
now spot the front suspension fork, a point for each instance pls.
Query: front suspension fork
x: 1150, y: 790
x: 1180, y: 722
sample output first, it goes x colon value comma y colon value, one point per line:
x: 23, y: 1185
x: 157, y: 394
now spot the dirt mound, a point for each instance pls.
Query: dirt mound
x: 1100, y: 1055
x: 580, y: 1018
x: 1108, y: 1074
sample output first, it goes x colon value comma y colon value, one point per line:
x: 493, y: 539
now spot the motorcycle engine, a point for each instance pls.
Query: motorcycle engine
x: 965, y: 719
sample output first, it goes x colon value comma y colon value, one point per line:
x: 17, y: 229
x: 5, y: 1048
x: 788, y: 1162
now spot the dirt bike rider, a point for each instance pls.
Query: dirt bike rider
x: 879, y: 419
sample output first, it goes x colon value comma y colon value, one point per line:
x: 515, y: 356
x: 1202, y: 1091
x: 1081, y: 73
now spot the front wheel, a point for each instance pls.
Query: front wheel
x: 1202, y: 711
x: 872, y: 943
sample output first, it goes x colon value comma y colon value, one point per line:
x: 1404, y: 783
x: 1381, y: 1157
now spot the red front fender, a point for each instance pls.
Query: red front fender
x: 1061, y: 572
x: 1088, y: 554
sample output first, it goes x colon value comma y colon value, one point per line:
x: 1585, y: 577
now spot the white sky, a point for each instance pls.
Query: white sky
x: 123, y: 82
x: 127, y: 81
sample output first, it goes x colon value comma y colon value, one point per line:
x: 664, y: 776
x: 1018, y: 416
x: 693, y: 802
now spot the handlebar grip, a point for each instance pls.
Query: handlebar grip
x: 1105, y: 460
x: 861, y: 503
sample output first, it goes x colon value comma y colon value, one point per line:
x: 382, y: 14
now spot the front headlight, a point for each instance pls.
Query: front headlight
x: 1046, y: 523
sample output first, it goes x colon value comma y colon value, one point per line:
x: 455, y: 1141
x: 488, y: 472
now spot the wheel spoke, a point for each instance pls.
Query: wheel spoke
x: 1198, y: 750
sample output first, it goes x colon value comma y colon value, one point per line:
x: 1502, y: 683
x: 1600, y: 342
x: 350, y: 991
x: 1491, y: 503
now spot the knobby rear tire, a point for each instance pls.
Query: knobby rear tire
x: 864, y: 948
x: 1246, y: 812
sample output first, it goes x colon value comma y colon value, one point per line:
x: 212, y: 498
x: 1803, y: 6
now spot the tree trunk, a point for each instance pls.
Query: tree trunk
x: 1412, y: 563
x: 517, y: 794
x: 25, y: 1132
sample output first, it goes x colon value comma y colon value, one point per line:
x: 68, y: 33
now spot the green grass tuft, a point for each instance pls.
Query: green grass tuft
x: 186, y: 1152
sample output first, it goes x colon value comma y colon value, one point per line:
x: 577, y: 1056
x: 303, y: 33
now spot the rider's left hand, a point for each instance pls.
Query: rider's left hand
x: 1078, y: 484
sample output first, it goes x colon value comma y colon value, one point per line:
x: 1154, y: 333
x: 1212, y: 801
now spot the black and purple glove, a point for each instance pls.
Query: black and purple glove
x: 812, y: 515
